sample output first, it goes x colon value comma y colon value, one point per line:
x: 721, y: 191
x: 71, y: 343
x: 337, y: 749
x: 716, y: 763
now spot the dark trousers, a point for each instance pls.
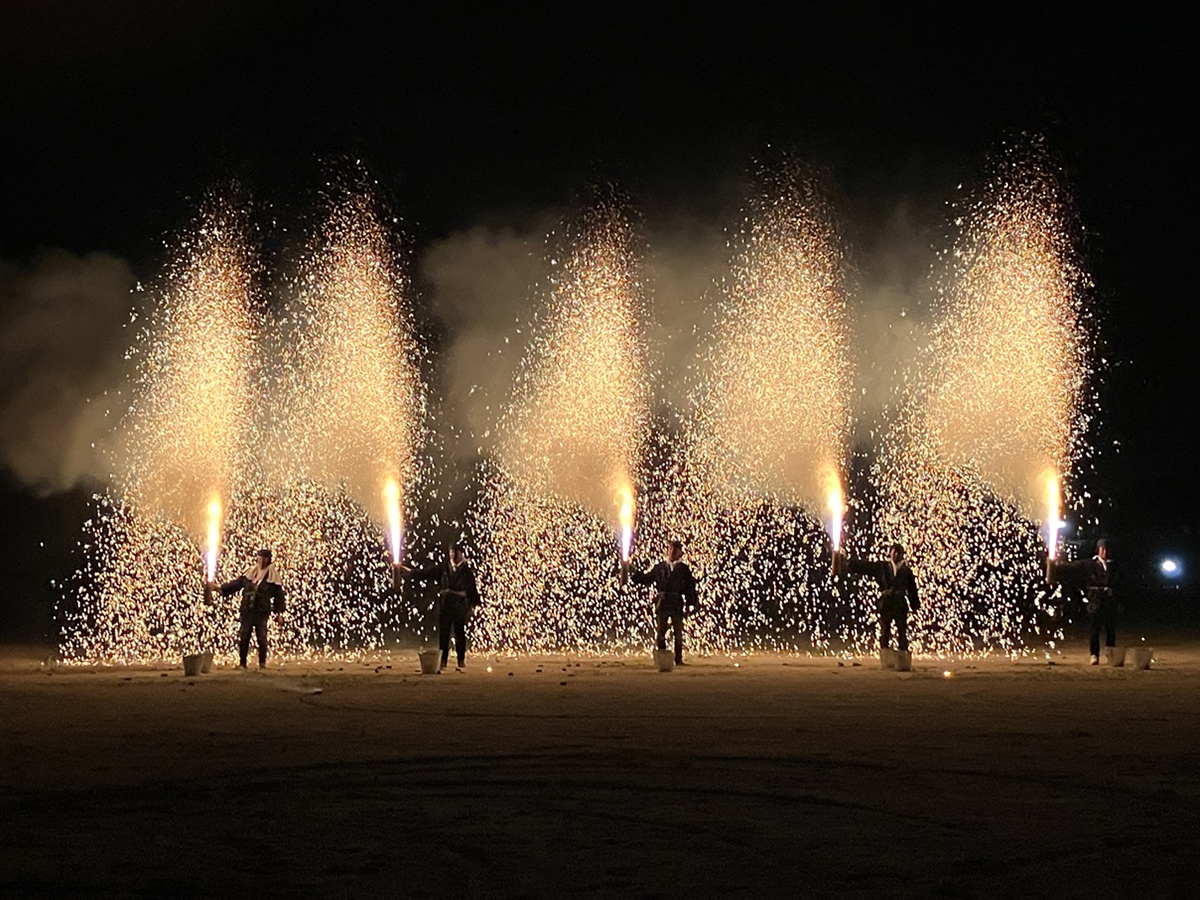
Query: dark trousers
x: 893, y: 609
x: 664, y: 612
x: 259, y: 627
x: 453, y: 617
x: 1104, y: 617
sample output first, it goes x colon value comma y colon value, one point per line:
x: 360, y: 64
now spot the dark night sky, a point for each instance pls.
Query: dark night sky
x: 117, y: 116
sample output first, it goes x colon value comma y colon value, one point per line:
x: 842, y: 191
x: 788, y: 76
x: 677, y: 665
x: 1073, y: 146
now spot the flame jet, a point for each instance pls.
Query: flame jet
x: 997, y: 414
x: 560, y: 495
x: 771, y: 417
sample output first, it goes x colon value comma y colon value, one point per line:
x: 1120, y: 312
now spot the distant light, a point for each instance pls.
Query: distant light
x: 947, y: 674
x: 1170, y: 567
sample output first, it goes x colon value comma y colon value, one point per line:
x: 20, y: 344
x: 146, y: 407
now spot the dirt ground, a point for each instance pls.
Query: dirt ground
x: 564, y: 777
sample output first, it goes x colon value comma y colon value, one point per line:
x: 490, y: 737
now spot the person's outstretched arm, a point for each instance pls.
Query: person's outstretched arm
x: 232, y: 587
x: 646, y: 577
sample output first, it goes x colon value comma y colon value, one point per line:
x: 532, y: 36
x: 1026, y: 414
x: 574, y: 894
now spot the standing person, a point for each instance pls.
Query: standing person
x: 1097, y: 576
x: 457, y: 598
x: 897, y: 591
x: 261, y: 596
x: 674, y: 595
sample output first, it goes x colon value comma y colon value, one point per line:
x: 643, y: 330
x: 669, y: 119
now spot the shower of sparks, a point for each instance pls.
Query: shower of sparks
x: 572, y: 441
x: 183, y: 446
x: 998, y: 401
x: 292, y: 425
x: 770, y: 428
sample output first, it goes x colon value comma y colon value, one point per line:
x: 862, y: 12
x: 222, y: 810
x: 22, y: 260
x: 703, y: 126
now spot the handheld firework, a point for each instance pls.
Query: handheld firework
x: 625, y: 528
x: 391, y: 500
x: 212, y: 548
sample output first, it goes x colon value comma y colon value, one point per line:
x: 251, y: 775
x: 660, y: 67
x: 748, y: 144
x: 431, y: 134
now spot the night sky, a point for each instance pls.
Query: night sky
x: 117, y: 117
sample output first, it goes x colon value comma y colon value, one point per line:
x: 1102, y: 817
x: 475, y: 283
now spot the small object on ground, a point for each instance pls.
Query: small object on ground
x: 664, y: 660
x: 1141, y: 657
x: 1115, y: 656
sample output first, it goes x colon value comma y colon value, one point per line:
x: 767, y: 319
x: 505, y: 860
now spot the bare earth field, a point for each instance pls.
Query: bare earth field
x: 556, y: 777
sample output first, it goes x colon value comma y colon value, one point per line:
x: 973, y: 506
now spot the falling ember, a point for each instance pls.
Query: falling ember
x: 391, y: 500
x: 214, y: 539
x: 836, y: 504
x: 625, y: 517
x: 1053, y: 513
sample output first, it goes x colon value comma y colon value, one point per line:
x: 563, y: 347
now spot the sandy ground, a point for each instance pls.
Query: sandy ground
x: 587, y: 777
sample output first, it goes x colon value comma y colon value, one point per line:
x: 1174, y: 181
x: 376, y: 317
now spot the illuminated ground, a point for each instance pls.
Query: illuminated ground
x: 603, y: 778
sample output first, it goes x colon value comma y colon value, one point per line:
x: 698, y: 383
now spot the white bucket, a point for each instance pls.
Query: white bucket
x: 1115, y: 655
x: 206, y: 661
x: 1140, y: 657
x: 192, y: 664
x: 665, y: 660
x: 903, y: 660
x: 887, y: 658
x: 430, y: 661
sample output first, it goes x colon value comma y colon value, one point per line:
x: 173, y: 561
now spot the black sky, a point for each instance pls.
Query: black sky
x: 117, y: 116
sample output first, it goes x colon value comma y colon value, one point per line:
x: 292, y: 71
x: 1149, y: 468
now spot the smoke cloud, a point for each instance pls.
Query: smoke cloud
x: 62, y: 347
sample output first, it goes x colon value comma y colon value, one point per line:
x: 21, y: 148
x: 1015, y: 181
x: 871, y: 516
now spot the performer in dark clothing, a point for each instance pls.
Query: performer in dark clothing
x: 261, y: 596
x: 674, y: 596
x: 457, y: 597
x: 897, y: 590
x: 1097, y: 577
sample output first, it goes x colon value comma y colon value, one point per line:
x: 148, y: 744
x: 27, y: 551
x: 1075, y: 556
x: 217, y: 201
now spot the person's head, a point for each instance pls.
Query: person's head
x: 457, y: 553
x: 674, y: 551
x: 1102, y: 548
x: 264, y: 557
x: 897, y: 553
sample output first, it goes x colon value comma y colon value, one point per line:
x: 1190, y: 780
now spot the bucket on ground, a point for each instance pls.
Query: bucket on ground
x: 430, y: 661
x: 903, y: 659
x: 192, y: 664
x: 887, y: 658
x: 206, y: 661
x: 1115, y: 655
x: 664, y: 660
x: 1140, y: 657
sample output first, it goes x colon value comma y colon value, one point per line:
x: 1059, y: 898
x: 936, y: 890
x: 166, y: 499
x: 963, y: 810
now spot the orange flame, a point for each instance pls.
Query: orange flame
x: 835, y: 502
x: 391, y: 499
x: 1053, y: 512
x: 625, y: 518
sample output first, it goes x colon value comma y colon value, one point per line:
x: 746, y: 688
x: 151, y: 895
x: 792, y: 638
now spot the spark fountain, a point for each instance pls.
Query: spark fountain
x: 301, y: 433
x: 996, y: 413
x: 771, y: 426
x: 182, y: 448
x: 563, y: 478
x: 351, y: 428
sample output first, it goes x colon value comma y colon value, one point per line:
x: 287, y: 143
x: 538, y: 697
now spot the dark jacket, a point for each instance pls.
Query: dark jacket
x: 258, y: 600
x: 675, y: 586
x: 897, y: 584
x: 460, y: 580
x: 1096, y: 577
